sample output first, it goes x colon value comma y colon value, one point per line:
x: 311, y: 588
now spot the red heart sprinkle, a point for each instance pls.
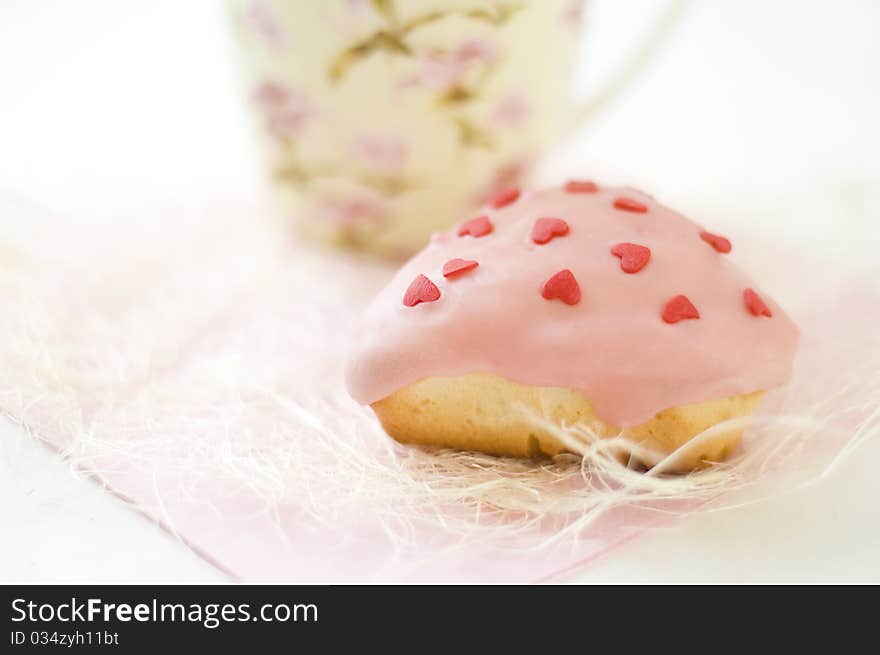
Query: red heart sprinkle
x: 503, y: 198
x: 755, y: 305
x: 581, y: 186
x: 545, y: 229
x: 679, y: 308
x: 420, y: 289
x: 562, y: 286
x: 718, y: 242
x: 630, y: 205
x: 633, y: 257
x: 476, y: 227
x: 456, y: 266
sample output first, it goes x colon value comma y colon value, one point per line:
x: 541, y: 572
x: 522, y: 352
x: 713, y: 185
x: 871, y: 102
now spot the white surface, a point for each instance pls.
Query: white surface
x: 105, y: 101
x: 63, y: 527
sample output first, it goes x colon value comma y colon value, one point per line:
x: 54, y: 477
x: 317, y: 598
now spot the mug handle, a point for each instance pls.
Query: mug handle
x: 634, y: 65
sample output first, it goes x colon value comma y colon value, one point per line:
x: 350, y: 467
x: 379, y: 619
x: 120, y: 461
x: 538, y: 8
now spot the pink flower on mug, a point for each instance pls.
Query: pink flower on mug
x: 286, y: 111
x: 474, y: 50
x: 353, y: 20
x: 350, y: 212
x: 384, y: 153
x: 271, y: 94
x: 507, y: 176
x: 433, y: 72
x: 512, y: 110
x: 265, y: 24
x: 359, y: 8
x: 444, y: 71
x: 572, y: 13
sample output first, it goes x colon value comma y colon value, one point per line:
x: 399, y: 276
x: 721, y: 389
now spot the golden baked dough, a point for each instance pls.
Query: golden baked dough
x: 476, y: 412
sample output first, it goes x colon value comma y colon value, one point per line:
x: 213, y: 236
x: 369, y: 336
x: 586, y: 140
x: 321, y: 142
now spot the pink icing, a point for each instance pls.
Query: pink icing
x: 613, y: 345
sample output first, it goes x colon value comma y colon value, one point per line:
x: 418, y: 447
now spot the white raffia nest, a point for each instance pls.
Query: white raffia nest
x: 213, y: 359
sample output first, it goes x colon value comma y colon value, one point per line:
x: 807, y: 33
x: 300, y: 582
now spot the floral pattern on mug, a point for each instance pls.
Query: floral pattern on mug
x: 265, y: 24
x: 286, y: 110
x: 359, y: 8
x: 508, y: 176
x: 573, y: 13
x: 446, y: 71
x: 350, y: 212
x: 403, y: 114
x: 512, y: 109
x: 383, y: 153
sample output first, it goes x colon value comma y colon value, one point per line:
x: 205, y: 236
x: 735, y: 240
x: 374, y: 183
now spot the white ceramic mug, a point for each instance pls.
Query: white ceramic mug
x: 386, y: 120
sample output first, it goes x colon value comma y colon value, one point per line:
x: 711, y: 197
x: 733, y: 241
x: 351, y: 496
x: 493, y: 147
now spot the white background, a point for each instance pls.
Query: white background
x: 751, y: 102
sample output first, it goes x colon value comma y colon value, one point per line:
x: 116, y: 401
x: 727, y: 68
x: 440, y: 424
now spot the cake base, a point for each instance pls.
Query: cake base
x: 475, y: 412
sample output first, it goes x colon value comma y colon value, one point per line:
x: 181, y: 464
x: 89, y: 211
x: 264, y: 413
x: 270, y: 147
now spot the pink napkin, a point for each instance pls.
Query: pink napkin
x: 190, y: 357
